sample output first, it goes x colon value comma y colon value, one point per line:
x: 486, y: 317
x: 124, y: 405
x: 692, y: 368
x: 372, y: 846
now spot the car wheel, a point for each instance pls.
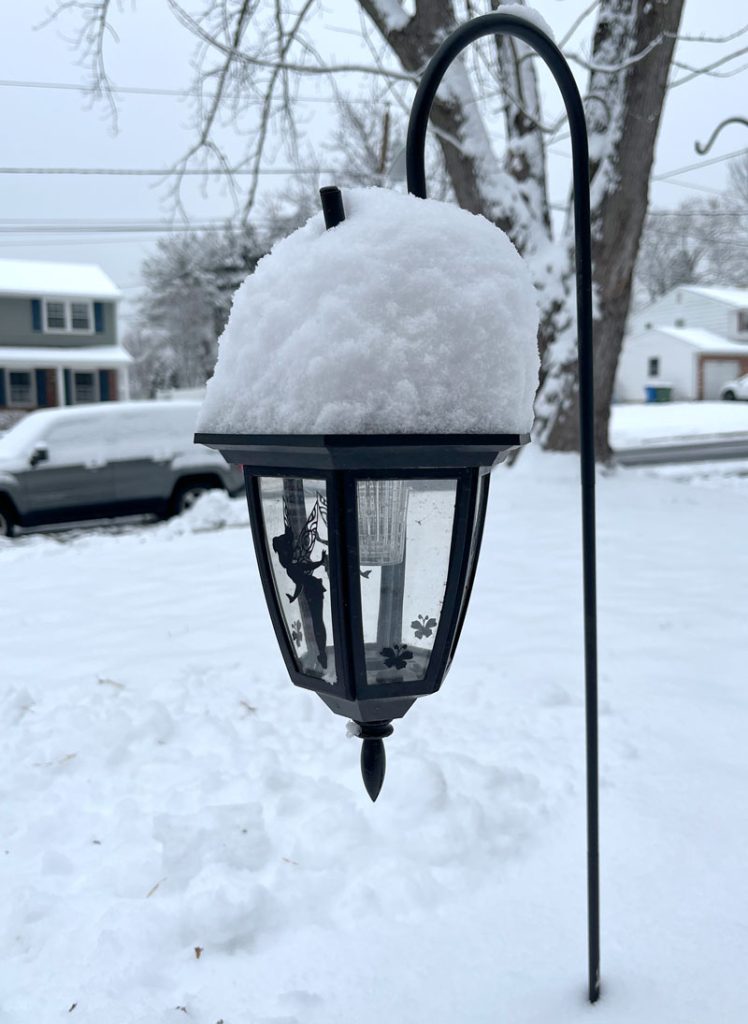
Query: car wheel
x: 729, y: 396
x: 186, y: 495
x: 7, y: 523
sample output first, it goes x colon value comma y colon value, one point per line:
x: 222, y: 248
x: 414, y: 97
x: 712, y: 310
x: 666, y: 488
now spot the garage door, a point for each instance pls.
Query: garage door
x: 716, y: 373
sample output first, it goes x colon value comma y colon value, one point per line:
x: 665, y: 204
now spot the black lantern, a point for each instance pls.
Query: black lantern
x: 367, y: 547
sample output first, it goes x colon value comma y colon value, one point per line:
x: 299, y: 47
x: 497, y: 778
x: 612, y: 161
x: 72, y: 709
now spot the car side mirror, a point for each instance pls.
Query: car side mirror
x: 39, y: 454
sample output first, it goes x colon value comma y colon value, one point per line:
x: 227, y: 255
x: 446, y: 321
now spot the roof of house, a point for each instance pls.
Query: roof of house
x: 96, y: 356
x: 39, y: 278
x: 730, y: 296
x: 704, y: 341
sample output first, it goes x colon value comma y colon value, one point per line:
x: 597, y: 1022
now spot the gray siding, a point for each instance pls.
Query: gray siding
x: 16, y: 327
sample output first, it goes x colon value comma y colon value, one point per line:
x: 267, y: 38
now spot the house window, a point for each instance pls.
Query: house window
x: 743, y: 321
x: 56, y: 319
x: 653, y: 366
x: 80, y: 316
x: 21, y: 389
x: 84, y: 387
x: 64, y: 317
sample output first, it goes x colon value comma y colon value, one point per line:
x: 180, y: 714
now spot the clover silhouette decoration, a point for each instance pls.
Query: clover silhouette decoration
x: 296, y: 632
x: 396, y: 656
x: 423, y: 625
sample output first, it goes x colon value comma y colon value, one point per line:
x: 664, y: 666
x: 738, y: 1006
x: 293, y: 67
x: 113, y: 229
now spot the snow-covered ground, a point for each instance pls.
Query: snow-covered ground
x: 659, y: 423
x: 185, y: 836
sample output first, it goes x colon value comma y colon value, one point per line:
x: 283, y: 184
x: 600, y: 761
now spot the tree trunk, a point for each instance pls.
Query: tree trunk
x: 480, y: 183
x: 620, y: 171
x: 632, y: 53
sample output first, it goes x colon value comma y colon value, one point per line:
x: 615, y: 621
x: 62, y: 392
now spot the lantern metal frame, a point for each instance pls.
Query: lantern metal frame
x: 341, y: 461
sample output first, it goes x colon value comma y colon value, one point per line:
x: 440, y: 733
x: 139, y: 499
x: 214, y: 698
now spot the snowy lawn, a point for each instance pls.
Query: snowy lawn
x: 185, y: 836
x: 659, y: 423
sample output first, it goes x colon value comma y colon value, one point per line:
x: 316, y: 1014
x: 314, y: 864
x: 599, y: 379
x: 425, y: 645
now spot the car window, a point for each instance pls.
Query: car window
x: 156, y: 432
x: 74, y: 440
x: 20, y: 439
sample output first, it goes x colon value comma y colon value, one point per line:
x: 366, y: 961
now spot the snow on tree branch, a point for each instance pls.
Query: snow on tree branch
x: 391, y: 14
x: 522, y: 118
x: 503, y: 199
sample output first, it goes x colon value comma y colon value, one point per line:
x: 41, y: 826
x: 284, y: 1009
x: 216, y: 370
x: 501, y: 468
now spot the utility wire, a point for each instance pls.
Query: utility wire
x: 145, y: 90
x: 29, y: 226
x: 111, y: 229
x: 699, y: 165
x: 164, y: 172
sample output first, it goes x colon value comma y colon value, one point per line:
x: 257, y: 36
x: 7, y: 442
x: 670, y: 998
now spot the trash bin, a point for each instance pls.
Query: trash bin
x: 660, y: 392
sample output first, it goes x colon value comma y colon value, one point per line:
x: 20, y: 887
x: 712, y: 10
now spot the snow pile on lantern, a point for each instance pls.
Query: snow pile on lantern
x: 411, y: 316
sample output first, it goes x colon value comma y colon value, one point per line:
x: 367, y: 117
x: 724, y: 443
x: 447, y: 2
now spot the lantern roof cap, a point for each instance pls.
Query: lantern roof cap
x: 265, y: 452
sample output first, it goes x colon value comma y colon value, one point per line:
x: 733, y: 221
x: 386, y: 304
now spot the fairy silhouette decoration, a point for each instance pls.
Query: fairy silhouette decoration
x: 295, y: 555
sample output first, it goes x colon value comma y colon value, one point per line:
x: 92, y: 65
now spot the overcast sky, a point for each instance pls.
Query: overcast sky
x: 59, y: 128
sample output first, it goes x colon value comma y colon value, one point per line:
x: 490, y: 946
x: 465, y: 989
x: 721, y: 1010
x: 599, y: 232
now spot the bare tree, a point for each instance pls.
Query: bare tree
x: 701, y: 241
x: 369, y: 144
x: 254, y: 56
x: 739, y: 178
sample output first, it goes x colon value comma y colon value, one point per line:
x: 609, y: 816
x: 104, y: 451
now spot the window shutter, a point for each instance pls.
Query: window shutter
x: 99, y: 317
x: 36, y: 314
x: 2, y: 387
x: 41, y: 388
x: 68, y: 388
x: 104, y: 385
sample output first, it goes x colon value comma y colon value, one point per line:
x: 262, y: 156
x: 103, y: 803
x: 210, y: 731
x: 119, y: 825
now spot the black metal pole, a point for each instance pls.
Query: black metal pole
x: 513, y: 25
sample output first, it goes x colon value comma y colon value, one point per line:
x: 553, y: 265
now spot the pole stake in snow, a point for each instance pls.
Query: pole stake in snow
x: 522, y: 24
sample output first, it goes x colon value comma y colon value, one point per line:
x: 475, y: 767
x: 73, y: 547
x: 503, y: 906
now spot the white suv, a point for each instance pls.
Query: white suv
x: 735, y: 389
x: 104, y: 460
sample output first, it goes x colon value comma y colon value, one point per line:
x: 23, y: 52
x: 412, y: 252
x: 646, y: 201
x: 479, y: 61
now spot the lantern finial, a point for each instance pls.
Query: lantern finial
x: 373, y: 758
x: 332, y: 206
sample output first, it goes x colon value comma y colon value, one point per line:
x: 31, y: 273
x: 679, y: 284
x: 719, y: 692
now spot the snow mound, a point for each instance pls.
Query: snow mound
x: 411, y: 316
x: 213, y: 510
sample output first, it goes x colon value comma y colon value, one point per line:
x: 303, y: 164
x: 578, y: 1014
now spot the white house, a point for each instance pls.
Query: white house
x: 58, y: 336
x: 693, y: 339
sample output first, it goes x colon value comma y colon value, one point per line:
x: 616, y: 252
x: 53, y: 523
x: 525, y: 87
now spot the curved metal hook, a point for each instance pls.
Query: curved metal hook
x: 514, y: 25
x: 701, y: 150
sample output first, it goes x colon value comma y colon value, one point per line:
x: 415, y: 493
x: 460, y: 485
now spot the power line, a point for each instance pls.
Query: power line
x: 694, y: 187
x: 134, y: 90
x: 699, y: 213
x: 728, y: 243
x: 165, y: 172
x: 109, y: 226
x: 51, y: 226
x: 46, y: 243
x: 699, y: 165
x: 111, y: 229
x: 147, y: 90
